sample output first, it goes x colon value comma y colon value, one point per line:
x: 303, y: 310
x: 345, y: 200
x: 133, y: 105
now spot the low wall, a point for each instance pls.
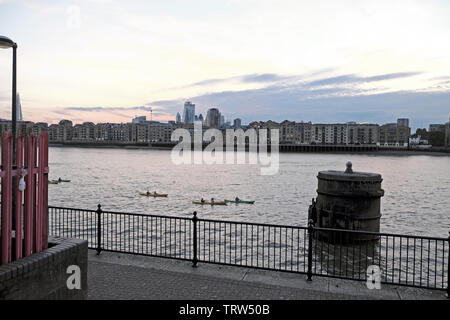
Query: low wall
x: 44, y: 275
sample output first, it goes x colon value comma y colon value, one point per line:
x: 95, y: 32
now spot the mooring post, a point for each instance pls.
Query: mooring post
x: 310, y: 245
x: 194, y: 240
x: 99, y: 229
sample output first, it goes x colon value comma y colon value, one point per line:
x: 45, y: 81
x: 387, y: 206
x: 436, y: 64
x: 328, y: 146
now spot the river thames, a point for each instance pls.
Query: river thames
x: 416, y: 187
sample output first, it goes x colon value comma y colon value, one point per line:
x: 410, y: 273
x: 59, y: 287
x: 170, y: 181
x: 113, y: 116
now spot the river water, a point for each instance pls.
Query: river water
x: 416, y: 201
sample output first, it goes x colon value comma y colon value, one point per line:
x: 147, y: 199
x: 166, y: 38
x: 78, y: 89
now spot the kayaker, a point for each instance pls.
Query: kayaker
x: 154, y: 192
x: 212, y: 200
x: 237, y: 199
x: 59, y: 179
x: 148, y: 192
x: 202, y: 200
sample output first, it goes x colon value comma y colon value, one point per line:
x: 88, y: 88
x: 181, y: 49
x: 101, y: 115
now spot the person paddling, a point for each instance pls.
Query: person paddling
x: 237, y: 199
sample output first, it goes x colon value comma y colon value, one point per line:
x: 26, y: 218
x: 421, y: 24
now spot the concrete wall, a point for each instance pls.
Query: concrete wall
x: 44, y: 275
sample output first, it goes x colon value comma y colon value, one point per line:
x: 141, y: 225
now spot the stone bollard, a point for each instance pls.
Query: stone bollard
x: 348, y: 200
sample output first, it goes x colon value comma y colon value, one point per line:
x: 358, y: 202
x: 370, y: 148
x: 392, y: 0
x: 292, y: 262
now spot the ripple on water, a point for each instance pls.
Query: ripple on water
x: 413, y: 201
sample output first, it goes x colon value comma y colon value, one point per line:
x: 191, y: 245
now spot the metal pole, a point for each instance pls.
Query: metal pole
x: 13, y: 129
x: 194, y: 237
x: 310, y: 245
x: 99, y: 229
x: 14, y: 101
x: 448, y: 268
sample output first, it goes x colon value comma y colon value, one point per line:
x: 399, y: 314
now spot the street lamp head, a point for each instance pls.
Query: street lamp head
x: 6, y: 43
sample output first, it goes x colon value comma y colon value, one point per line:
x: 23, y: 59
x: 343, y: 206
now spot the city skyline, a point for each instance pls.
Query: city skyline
x: 235, y: 55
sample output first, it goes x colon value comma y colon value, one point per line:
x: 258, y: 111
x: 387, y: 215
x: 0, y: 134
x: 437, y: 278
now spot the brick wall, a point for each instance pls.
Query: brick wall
x: 44, y: 275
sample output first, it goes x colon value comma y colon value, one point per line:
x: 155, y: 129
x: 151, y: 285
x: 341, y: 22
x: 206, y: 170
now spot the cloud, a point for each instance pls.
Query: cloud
x: 101, y: 109
x: 351, y: 78
x: 324, y: 100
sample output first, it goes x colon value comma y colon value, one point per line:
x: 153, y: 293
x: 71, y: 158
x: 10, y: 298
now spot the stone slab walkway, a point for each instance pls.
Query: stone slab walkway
x: 124, y: 276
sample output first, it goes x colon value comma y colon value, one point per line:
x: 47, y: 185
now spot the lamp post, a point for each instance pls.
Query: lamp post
x: 6, y: 43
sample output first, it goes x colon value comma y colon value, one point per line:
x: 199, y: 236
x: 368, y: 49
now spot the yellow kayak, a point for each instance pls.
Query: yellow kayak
x: 215, y: 203
x: 154, y: 194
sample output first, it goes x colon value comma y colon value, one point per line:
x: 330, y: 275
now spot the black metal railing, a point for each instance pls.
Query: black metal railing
x: 416, y: 261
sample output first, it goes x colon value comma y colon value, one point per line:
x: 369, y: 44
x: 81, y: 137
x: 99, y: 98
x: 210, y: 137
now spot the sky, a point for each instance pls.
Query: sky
x: 322, y: 61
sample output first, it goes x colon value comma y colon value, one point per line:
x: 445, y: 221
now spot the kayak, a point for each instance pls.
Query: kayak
x: 240, y: 201
x: 53, y: 181
x: 154, y: 195
x: 63, y: 180
x: 215, y: 203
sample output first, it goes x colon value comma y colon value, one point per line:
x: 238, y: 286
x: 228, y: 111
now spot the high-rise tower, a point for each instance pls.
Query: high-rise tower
x: 188, y: 112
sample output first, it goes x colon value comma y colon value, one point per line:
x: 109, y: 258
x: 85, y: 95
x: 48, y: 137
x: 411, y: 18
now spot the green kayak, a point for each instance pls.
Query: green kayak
x: 61, y: 180
x: 240, y: 201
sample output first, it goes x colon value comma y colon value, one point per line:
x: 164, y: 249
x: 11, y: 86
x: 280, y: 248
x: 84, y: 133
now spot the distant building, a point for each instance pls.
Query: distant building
x: 160, y: 132
x: 213, y: 118
x: 18, y: 109
x: 200, y: 118
x: 333, y: 133
x: 140, y: 119
x: 189, y: 112
x: 437, y: 128
x: 237, y: 123
x: 403, y: 122
x: 178, y: 118
x: 447, y: 133
x: 292, y: 132
x: 362, y: 133
x: 84, y: 132
x: 394, y: 135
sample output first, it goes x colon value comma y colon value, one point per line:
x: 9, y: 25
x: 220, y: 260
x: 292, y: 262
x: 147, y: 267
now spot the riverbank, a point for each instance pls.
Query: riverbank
x: 120, y: 276
x: 380, y: 151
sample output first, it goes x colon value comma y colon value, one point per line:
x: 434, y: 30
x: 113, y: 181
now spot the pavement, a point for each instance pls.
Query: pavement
x: 117, y: 276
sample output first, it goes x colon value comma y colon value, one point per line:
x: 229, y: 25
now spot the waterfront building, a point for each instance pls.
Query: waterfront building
x: 120, y: 132
x: 139, y: 132
x: 362, y: 133
x: 334, y: 133
x: 83, y: 132
x: 102, y: 132
x: 189, y: 112
x: 160, y: 132
x: 39, y: 127
x: 394, y: 135
x: 178, y: 118
x: 292, y: 132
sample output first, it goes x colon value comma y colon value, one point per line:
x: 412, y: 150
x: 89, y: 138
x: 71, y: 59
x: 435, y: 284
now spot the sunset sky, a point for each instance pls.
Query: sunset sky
x: 319, y: 61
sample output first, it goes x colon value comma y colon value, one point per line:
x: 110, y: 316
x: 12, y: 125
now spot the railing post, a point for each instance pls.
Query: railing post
x: 448, y: 268
x: 99, y: 229
x: 310, y: 252
x: 194, y: 237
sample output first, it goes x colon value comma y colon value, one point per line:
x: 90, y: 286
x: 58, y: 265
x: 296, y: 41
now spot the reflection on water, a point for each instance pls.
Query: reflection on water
x: 416, y: 188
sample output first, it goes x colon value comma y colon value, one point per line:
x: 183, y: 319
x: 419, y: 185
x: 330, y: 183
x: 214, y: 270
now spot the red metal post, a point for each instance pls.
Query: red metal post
x: 43, y: 166
x: 6, y: 214
x: 38, y: 200
x: 29, y: 195
x: 18, y: 206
